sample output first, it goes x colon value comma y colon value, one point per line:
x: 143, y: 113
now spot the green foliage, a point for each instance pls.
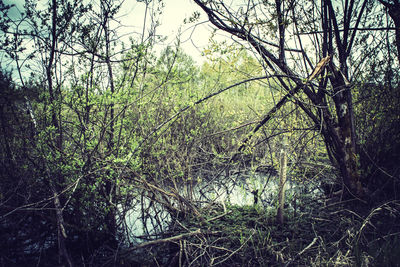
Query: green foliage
x: 99, y: 131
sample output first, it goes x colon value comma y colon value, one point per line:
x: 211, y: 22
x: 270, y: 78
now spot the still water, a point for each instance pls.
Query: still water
x: 146, y: 218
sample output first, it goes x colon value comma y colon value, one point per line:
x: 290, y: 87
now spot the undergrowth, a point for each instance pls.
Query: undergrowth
x: 327, y: 235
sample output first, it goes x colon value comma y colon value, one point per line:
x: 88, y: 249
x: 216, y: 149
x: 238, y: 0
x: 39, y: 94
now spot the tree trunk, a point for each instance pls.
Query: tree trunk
x: 61, y: 233
x: 282, y: 183
x: 337, y: 129
x: 343, y: 144
x: 395, y: 15
x: 110, y: 183
x: 54, y: 98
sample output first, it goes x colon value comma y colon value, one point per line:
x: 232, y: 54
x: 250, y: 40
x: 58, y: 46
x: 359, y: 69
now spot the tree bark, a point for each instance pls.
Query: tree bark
x: 282, y: 183
x: 61, y: 232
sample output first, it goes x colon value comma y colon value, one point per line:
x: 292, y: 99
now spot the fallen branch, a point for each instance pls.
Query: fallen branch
x: 301, y: 252
x: 165, y: 240
x: 219, y: 216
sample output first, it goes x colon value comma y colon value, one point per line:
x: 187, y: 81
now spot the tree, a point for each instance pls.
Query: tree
x: 64, y: 69
x: 394, y: 12
x: 290, y: 37
x: 48, y: 32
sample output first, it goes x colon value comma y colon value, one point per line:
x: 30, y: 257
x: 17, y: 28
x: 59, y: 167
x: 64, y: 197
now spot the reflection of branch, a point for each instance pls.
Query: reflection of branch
x: 169, y: 194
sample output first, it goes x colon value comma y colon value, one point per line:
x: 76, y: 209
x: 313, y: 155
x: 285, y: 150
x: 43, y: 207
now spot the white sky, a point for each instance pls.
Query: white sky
x: 193, y: 39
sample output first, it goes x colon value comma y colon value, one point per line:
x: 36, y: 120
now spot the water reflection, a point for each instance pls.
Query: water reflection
x: 148, y: 218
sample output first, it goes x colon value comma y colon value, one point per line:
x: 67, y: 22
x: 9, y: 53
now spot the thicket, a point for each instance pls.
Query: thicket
x: 110, y: 157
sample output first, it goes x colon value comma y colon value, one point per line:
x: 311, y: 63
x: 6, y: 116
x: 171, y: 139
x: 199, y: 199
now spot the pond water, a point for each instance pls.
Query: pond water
x: 146, y: 218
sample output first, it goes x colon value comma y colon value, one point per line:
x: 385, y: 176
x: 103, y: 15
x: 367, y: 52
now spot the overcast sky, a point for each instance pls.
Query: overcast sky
x: 193, y: 40
x: 194, y: 37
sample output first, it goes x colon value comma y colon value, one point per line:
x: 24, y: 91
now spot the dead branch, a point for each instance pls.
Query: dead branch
x: 165, y: 240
